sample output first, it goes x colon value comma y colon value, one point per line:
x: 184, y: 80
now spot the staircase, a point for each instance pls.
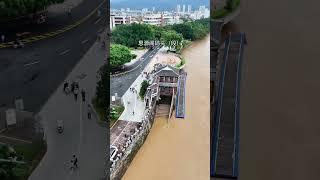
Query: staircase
x: 163, y: 110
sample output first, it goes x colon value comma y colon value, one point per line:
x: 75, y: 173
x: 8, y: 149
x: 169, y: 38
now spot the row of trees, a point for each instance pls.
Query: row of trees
x: 16, y: 8
x: 193, y: 30
x: 130, y: 35
x: 172, y: 36
x: 101, y: 100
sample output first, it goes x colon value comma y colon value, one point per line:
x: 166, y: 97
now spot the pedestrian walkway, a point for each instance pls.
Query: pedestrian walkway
x: 134, y: 106
x: 84, y: 137
x: 180, y: 111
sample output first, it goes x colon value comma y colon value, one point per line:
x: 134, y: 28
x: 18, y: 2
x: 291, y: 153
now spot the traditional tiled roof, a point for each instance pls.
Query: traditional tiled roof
x: 167, y: 71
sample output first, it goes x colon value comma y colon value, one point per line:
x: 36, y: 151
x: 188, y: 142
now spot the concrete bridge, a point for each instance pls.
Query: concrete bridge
x: 225, y: 115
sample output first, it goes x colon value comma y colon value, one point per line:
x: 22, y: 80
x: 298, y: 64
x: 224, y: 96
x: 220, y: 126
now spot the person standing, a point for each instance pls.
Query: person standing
x: 72, y: 86
x: 2, y: 38
x: 69, y: 11
x: 74, y: 161
x: 89, y: 111
x: 75, y: 92
x: 65, y: 86
x: 83, y: 94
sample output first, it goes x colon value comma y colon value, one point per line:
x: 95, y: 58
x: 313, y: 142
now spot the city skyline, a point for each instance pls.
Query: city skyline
x: 159, y: 5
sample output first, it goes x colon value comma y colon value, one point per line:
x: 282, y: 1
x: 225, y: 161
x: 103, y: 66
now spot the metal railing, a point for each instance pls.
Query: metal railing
x: 218, y: 105
x: 237, y: 110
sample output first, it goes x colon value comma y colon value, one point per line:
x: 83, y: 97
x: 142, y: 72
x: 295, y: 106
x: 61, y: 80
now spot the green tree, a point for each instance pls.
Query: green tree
x: 120, y: 55
x: 101, y: 101
x: 10, y: 170
x: 172, y: 39
x: 143, y: 88
x: 185, y: 29
x: 130, y: 35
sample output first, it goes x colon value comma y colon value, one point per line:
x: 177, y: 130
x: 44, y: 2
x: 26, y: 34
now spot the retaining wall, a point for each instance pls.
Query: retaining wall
x: 123, y: 162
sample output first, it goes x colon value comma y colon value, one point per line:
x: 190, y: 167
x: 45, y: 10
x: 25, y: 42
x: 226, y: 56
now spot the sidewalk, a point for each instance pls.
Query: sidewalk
x: 136, y: 104
x: 133, y: 103
x: 82, y: 136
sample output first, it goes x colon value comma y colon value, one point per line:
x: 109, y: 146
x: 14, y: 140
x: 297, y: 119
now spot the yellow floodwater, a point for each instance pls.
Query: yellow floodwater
x: 179, y: 149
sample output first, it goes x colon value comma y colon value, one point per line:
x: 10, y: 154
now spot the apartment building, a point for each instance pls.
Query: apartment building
x: 119, y: 19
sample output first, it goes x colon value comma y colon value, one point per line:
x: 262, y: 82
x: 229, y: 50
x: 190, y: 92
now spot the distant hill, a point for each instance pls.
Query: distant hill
x: 158, y: 4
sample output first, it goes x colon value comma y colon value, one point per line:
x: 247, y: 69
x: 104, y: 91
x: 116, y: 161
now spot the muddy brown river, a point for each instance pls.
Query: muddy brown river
x: 179, y: 149
x: 279, y: 118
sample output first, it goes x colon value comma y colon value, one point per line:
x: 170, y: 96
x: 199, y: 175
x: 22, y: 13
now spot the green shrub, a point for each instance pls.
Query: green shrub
x: 143, y: 89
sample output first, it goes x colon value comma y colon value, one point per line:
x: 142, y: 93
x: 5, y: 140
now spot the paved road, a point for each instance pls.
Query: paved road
x: 279, y: 123
x: 120, y: 84
x: 54, y: 21
x: 82, y: 136
x: 35, y: 71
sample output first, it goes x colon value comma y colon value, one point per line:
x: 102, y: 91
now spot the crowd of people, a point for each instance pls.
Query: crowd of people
x: 74, y: 89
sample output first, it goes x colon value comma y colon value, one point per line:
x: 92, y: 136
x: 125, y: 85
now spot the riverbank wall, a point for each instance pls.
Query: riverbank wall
x: 134, y: 142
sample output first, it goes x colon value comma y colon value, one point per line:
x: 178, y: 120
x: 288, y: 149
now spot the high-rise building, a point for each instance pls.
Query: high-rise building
x: 202, y: 9
x: 178, y: 8
x: 189, y: 8
x: 153, y: 9
x: 128, y: 9
x: 183, y: 8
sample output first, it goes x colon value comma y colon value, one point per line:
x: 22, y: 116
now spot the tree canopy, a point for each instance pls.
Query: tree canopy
x: 101, y: 101
x: 10, y: 170
x: 16, y: 8
x: 193, y: 30
x: 130, y: 35
x: 172, y: 39
x: 120, y: 55
x: 143, y: 88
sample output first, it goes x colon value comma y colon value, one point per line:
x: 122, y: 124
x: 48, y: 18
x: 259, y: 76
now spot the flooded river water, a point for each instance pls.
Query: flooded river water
x: 179, y: 149
x: 279, y: 118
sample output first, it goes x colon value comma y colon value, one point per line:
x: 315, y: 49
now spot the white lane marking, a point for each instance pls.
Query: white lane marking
x: 84, y: 41
x: 12, y: 138
x: 32, y: 63
x: 64, y: 52
x: 97, y: 21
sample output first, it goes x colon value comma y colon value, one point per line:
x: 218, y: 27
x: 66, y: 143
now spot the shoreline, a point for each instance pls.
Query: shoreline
x: 157, y: 132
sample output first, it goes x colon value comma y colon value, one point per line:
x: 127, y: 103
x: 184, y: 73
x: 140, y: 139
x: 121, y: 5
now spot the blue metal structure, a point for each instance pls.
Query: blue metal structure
x: 180, y: 101
x: 225, y: 135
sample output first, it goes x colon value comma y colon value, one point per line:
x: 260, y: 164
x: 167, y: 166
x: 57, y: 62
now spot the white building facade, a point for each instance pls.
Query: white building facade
x: 116, y: 20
